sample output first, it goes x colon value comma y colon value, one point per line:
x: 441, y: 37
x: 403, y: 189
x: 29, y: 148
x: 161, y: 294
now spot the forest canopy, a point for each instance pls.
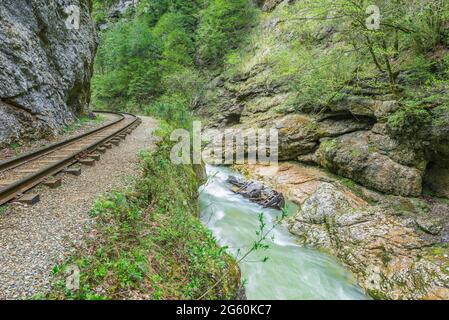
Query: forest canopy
x: 156, y: 52
x: 162, y: 54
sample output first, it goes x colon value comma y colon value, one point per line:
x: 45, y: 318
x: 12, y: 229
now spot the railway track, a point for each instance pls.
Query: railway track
x: 22, y: 173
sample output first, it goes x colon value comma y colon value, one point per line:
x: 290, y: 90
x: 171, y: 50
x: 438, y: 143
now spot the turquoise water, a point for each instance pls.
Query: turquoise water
x: 292, y: 272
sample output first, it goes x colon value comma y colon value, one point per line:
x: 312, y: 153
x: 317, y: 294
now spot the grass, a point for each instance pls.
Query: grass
x: 83, y: 121
x: 3, y: 209
x: 149, y: 242
x: 14, y: 146
x: 408, y: 121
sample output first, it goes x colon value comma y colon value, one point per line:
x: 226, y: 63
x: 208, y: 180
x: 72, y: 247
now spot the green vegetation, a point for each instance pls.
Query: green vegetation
x: 155, y: 56
x: 408, y: 121
x: 441, y: 116
x: 221, y: 29
x: 173, y: 112
x: 83, y: 121
x: 376, y: 294
x: 14, y: 146
x: 166, y: 51
x: 327, y: 50
x: 3, y: 209
x: 149, y: 242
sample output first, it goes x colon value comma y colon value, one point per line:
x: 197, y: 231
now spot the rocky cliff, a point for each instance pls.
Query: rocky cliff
x: 384, y: 211
x: 395, y: 246
x: 46, y: 58
x: 289, y: 77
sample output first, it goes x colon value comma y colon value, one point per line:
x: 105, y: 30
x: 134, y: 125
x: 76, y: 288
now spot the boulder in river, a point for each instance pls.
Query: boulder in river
x: 396, y: 247
x: 257, y: 192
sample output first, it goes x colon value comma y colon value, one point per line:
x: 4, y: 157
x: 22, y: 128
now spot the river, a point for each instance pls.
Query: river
x: 292, y: 272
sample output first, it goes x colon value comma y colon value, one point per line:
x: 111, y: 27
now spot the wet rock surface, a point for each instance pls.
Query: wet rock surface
x: 45, y: 66
x: 257, y: 192
x: 349, y: 136
x: 392, y: 229
x: 397, y: 247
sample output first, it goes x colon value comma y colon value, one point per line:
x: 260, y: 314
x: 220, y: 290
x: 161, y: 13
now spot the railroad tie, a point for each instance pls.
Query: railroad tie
x: 30, y: 199
x: 27, y: 171
x: 73, y: 150
x: 46, y: 161
x: 87, y: 162
x: 53, y: 182
x: 95, y: 156
x: 73, y: 171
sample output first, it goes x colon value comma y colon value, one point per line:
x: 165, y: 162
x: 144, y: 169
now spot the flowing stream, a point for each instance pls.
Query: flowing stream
x: 292, y: 272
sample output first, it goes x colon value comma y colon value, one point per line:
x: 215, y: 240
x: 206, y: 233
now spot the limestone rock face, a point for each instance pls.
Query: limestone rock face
x: 395, y: 246
x: 349, y: 136
x: 358, y: 156
x: 385, y: 252
x: 46, y: 61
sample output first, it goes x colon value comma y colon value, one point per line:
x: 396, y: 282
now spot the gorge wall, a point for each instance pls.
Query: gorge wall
x: 45, y: 66
x: 380, y: 204
x: 288, y: 78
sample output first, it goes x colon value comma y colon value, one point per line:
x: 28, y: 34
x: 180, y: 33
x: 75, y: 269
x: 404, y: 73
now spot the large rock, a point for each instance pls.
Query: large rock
x: 387, y: 255
x: 357, y: 156
x: 45, y: 66
x: 257, y: 192
x: 395, y: 246
x: 298, y: 135
x: 374, y: 107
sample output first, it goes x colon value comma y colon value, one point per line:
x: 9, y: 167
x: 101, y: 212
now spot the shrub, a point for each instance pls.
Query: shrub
x: 172, y: 111
x: 223, y: 25
x: 408, y: 121
x: 149, y: 242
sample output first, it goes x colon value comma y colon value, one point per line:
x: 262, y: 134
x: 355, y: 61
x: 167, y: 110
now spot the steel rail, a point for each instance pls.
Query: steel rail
x: 16, y: 161
x: 20, y: 186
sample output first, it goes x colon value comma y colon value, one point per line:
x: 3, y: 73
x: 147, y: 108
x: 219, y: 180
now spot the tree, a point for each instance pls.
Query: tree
x: 222, y: 26
x: 386, y: 29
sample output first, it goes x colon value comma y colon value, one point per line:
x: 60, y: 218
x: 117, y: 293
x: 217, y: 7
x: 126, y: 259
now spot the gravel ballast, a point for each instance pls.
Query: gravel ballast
x: 33, y: 239
x: 78, y: 129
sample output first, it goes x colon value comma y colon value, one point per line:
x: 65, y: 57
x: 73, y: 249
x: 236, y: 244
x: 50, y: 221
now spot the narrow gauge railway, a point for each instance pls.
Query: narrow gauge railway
x: 22, y: 173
